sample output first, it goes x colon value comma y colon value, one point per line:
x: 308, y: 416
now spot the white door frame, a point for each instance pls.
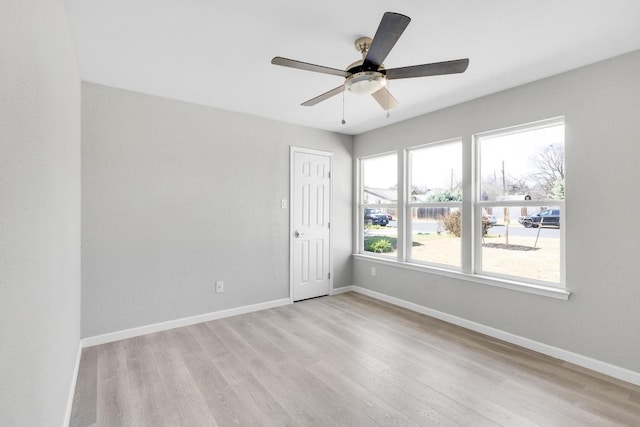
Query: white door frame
x: 329, y: 154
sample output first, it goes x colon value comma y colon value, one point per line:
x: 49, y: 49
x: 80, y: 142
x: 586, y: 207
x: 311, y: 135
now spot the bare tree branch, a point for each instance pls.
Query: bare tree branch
x: 549, y: 167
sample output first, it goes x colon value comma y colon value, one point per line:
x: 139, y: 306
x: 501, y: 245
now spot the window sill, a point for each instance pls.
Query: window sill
x: 546, y: 291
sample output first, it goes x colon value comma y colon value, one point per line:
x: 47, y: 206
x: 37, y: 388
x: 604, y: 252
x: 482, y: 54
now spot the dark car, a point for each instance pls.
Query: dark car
x: 546, y: 218
x: 376, y: 217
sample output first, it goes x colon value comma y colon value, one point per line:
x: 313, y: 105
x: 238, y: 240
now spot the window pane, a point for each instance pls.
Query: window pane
x: 435, y: 235
x: 524, y: 242
x: 380, y: 179
x: 380, y: 234
x: 525, y: 165
x: 436, y: 173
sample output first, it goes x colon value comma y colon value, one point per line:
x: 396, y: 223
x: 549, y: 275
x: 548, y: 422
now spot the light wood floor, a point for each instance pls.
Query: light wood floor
x: 346, y: 360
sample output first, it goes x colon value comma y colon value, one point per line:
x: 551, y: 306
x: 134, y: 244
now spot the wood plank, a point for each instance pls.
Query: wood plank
x: 343, y: 360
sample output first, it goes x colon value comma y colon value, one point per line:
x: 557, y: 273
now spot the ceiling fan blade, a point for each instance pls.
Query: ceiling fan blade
x: 389, y: 31
x: 385, y: 99
x: 318, y: 99
x: 434, y: 69
x: 292, y: 63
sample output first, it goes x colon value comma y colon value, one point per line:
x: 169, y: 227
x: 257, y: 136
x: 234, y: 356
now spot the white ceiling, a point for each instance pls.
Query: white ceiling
x: 218, y: 53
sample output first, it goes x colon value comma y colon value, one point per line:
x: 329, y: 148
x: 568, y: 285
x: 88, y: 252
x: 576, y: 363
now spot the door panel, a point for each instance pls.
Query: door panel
x: 311, y: 245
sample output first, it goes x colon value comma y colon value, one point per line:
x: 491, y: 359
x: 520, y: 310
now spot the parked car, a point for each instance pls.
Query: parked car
x: 546, y: 218
x: 376, y: 217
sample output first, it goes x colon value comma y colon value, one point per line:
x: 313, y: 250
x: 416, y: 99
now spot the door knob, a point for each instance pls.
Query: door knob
x: 297, y: 234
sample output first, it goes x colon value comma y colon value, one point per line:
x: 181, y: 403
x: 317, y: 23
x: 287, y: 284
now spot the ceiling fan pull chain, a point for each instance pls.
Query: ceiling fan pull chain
x: 343, y: 121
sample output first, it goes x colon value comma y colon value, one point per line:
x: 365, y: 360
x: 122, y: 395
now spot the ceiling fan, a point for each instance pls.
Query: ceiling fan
x: 368, y: 75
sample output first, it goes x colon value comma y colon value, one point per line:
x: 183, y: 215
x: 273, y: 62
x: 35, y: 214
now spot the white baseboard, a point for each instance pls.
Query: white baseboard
x: 568, y: 356
x: 74, y: 379
x: 341, y: 290
x: 177, y: 323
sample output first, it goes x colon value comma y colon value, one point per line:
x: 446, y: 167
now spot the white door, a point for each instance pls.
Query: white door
x: 310, y: 223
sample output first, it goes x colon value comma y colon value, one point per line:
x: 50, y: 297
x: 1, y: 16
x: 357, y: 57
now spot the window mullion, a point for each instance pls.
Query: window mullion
x: 469, y: 191
x: 401, y: 219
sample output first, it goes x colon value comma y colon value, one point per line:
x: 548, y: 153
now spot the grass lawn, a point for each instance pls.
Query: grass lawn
x: 518, y: 258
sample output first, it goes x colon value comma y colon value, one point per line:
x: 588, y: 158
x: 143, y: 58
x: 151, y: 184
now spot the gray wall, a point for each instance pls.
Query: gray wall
x: 601, y: 104
x: 177, y: 195
x: 39, y: 213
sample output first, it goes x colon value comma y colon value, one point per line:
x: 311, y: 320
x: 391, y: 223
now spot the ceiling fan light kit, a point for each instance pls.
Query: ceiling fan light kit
x: 368, y: 76
x: 365, y: 82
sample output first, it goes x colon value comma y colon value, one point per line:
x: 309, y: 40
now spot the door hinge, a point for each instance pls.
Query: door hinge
x: 329, y: 224
x: 329, y: 276
x: 329, y: 174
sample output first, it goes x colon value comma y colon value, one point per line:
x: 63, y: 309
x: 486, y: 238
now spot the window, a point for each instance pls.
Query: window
x: 506, y: 228
x: 521, y: 185
x: 435, y: 203
x: 378, y: 208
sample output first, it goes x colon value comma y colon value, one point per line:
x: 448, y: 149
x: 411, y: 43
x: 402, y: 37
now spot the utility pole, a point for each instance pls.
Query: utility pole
x: 504, y: 181
x: 451, y: 185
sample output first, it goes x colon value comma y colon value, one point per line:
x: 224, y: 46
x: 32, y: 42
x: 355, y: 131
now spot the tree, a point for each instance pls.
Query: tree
x: 446, y: 196
x: 557, y: 192
x: 493, y: 188
x: 549, y: 168
x: 419, y: 189
x: 516, y: 185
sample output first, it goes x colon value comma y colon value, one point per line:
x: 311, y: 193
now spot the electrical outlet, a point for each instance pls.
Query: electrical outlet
x: 219, y: 286
x: 284, y: 204
x: 373, y: 271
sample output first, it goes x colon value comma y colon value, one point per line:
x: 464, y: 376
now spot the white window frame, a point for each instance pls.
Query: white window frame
x: 471, y: 209
x: 479, y: 205
x: 410, y: 205
x: 361, y: 206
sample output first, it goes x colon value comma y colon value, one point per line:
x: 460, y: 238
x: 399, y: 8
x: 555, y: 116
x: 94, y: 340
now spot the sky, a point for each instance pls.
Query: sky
x: 437, y: 160
x: 516, y: 150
